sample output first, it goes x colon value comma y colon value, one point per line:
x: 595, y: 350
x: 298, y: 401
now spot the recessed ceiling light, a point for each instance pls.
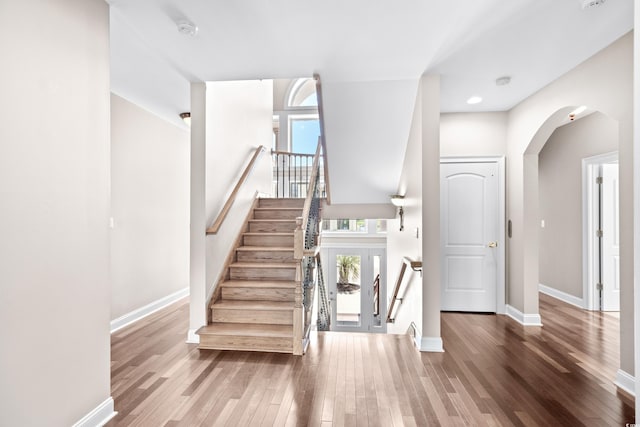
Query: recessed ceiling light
x: 474, y: 100
x: 187, y: 28
x: 503, y: 81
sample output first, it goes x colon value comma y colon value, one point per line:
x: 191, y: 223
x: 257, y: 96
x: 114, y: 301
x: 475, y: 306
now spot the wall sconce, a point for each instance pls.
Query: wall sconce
x: 398, y: 201
x: 186, y: 117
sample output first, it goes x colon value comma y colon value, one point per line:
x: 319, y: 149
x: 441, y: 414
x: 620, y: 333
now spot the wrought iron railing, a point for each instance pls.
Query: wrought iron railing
x: 292, y: 174
x: 309, y: 275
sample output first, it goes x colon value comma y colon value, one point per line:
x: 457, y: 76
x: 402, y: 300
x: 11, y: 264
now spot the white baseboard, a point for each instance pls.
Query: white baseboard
x: 562, y: 296
x: 626, y: 382
x: 429, y: 344
x: 192, y: 337
x: 148, y: 309
x: 522, y: 318
x: 99, y: 416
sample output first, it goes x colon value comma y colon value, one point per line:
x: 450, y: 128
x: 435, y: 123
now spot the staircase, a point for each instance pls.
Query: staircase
x: 254, y: 308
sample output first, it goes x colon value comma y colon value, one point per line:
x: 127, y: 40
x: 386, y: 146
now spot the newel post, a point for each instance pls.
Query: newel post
x: 298, y: 311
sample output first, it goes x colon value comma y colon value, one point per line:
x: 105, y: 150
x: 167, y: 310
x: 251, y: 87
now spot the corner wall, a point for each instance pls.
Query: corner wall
x: 54, y: 186
x: 149, y: 206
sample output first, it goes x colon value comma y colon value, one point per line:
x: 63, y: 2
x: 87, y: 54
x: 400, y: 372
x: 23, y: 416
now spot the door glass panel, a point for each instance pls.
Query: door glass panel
x: 376, y: 292
x: 348, y: 302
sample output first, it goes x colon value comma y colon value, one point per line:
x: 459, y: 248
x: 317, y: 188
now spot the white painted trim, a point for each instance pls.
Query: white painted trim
x: 351, y: 245
x: 192, y: 337
x: 589, y: 220
x: 562, y: 296
x: 501, y: 288
x: 148, y: 309
x: 98, y: 416
x: 626, y: 382
x: 430, y: 344
x: 522, y: 318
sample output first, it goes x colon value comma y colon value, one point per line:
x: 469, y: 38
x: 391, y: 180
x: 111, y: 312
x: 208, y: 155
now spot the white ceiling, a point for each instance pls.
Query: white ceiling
x: 369, y: 54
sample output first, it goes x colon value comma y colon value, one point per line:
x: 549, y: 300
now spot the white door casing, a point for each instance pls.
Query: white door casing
x: 610, y: 261
x: 471, y: 240
x: 355, y: 312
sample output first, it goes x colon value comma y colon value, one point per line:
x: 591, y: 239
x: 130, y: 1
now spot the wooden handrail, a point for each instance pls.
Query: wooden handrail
x: 323, y: 140
x: 406, y: 262
x: 289, y: 153
x: 232, y: 197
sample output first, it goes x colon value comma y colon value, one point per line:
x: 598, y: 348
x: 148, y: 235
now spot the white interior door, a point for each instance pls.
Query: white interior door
x: 609, y: 211
x: 358, y: 301
x: 469, y: 209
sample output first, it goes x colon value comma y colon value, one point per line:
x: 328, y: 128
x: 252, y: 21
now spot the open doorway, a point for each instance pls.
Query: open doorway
x: 600, y: 219
x: 576, y: 255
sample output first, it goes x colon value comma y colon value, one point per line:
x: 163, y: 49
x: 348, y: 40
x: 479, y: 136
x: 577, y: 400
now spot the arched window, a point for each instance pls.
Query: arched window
x: 302, y: 94
x: 303, y: 123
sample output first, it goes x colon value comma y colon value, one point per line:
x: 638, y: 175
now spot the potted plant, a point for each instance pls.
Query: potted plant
x: 348, y: 270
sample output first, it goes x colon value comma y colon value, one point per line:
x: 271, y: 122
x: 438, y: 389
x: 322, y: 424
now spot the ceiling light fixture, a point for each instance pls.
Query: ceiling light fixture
x: 474, y: 100
x: 574, y: 113
x: 503, y: 81
x: 187, y: 28
x: 186, y: 117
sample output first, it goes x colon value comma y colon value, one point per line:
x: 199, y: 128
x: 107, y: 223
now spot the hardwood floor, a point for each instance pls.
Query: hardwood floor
x: 494, y: 372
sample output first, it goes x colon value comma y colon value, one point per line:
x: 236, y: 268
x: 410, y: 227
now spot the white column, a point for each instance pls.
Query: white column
x: 431, y: 339
x: 197, y: 257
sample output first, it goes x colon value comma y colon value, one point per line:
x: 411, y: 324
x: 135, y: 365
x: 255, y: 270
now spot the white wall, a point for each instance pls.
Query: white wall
x: 150, y: 207
x: 473, y: 134
x: 404, y: 243
x: 54, y: 187
x: 231, y: 120
x: 560, y: 178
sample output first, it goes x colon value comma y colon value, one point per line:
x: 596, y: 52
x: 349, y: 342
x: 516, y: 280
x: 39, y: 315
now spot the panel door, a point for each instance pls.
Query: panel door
x: 469, y: 209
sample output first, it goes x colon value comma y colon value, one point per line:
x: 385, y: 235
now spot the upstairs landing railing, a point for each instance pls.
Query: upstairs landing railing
x: 406, y: 262
x: 292, y: 174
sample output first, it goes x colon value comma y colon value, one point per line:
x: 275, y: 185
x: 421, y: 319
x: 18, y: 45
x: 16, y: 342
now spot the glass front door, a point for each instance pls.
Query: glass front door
x: 357, y: 290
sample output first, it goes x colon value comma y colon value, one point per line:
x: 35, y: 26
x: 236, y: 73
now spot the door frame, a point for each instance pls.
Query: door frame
x: 326, y: 251
x: 501, y: 288
x: 590, y: 209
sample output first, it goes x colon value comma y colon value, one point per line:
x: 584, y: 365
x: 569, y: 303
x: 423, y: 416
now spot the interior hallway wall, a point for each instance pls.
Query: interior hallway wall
x: 54, y: 186
x: 560, y: 178
x: 149, y: 206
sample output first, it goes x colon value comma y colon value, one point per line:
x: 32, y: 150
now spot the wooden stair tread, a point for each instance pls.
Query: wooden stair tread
x: 286, y: 265
x: 268, y: 233
x: 247, y: 330
x: 265, y: 248
x: 278, y: 208
x: 272, y: 220
x: 252, y: 305
x: 284, y: 284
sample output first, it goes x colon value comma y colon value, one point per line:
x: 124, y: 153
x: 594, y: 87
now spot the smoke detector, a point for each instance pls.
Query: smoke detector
x: 187, y: 28
x: 587, y: 4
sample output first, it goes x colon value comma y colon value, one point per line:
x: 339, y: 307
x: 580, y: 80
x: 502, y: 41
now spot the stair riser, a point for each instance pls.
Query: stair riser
x: 273, y: 317
x: 272, y: 227
x: 265, y: 256
x: 281, y: 203
x: 277, y: 214
x: 244, y: 273
x: 277, y: 345
x: 268, y: 240
x: 263, y: 294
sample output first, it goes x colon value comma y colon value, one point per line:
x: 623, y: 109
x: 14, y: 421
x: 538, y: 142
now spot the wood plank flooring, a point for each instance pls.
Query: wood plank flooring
x: 494, y: 372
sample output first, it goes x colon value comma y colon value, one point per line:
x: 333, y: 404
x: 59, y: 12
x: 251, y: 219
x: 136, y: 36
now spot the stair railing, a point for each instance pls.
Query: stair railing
x: 307, y: 253
x: 376, y: 296
x: 406, y: 262
x: 291, y: 174
x: 234, y: 194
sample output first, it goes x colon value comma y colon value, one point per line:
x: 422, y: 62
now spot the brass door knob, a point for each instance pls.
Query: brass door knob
x: 493, y: 244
